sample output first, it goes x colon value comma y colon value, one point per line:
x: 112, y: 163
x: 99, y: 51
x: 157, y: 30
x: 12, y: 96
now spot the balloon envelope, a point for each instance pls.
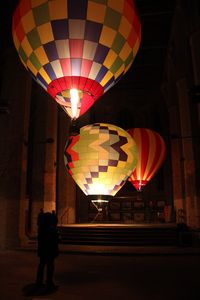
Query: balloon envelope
x: 85, y: 45
x: 151, y: 154
x: 101, y: 158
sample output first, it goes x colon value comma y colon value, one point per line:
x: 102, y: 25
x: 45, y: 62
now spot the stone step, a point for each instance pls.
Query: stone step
x: 109, y: 235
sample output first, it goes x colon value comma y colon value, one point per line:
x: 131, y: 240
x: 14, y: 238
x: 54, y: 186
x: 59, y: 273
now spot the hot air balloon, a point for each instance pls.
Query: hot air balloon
x: 76, y: 49
x: 101, y: 158
x: 151, y: 154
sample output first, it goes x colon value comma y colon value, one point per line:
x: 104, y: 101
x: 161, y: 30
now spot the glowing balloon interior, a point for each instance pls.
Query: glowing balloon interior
x: 85, y: 45
x: 101, y: 158
x: 151, y: 154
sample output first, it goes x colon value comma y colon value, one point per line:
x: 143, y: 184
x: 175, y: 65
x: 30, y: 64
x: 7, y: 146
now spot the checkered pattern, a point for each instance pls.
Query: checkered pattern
x: 151, y: 154
x: 101, y: 158
x: 82, y: 44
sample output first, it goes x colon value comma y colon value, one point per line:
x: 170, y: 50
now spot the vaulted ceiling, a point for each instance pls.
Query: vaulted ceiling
x: 146, y: 72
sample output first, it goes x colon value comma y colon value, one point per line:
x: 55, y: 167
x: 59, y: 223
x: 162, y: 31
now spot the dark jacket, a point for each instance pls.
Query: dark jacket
x: 47, y: 238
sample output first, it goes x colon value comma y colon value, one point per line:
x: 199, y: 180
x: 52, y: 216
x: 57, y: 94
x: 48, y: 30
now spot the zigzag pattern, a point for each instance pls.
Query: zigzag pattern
x: 104, y: 161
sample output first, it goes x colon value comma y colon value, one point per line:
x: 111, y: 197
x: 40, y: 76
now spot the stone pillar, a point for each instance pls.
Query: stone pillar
x: 176, y: 159
x: 24, y: 200
x: 15, y: 92
x: 195, y: 49
x: 188, y: 162
x: 66, y: 187
x: 50, y: 157
x: 43, y: 149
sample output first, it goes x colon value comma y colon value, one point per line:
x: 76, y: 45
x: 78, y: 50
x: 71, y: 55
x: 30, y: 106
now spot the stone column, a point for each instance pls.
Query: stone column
x: 66, y: 187
x: 15, y: 92
x: 24, y: 200
x: 195, y: 49
x: 176, y: 158
x: 50, y: 157
x: 44, y: 152
x: 188, y: 162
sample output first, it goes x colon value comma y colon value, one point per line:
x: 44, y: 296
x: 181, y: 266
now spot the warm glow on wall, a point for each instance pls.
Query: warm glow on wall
x: 100, y: 158
x: 76, y: 44
x: 151, y: 154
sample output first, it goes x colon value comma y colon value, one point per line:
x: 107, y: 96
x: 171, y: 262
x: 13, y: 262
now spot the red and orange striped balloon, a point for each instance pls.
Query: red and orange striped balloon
x: 151, y: 154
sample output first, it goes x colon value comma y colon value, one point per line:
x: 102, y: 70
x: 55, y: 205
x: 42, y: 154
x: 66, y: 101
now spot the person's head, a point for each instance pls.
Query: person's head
x: 47, y: 221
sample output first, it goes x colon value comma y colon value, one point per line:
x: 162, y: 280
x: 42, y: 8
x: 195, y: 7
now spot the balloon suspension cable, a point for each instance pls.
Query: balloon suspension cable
x: 139, y: 194
x: 100, y: 202
x: 74, y: 128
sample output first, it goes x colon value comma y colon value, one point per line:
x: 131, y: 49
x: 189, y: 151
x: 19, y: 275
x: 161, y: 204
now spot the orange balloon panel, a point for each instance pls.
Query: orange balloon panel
x: 151, y: 154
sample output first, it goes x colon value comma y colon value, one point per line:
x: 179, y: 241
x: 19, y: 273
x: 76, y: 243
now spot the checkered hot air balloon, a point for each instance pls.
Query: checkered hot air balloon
x: 101, y: 158
x: 76, y: 49
x: 151, y: 154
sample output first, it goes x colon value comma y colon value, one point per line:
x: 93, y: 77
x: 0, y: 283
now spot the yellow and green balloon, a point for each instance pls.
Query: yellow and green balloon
x: 101, y: 158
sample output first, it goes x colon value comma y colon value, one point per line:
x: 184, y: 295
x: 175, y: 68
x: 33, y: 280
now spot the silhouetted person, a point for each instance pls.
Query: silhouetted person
x: 55, y: 218
x: 40, y: 217
x: 47, y: 249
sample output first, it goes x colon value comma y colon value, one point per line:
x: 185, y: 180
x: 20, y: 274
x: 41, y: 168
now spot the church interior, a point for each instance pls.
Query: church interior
x: 160, y: 92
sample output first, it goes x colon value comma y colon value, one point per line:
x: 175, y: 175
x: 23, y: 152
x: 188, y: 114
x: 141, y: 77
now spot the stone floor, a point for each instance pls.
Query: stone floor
x: 100, y: 274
